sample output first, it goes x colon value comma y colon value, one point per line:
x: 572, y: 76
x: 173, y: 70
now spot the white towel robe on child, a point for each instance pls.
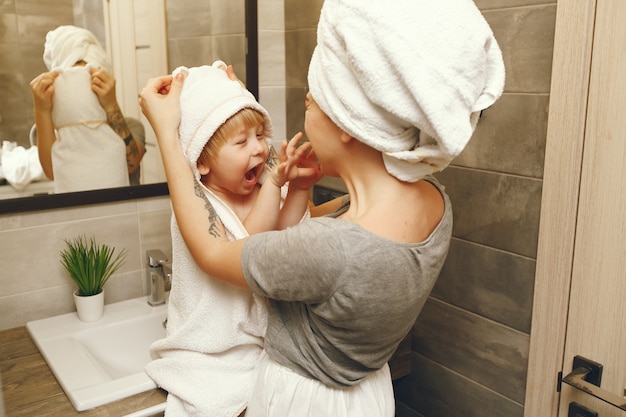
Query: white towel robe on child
x: 215, y: 332
x: 87, y: 153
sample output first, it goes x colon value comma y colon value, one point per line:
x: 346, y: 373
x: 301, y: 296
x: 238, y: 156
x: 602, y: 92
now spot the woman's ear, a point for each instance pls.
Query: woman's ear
x: 345, y: 138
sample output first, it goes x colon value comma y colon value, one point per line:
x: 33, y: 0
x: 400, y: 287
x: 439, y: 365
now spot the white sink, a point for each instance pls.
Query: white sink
x: 103, y: 361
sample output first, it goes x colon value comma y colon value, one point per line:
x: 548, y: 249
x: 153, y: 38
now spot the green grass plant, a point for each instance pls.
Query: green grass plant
x: 90, y: 265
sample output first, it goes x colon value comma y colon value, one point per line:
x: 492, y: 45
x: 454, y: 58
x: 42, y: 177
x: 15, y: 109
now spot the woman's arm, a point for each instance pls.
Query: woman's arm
x: 200, y: 227
x: 103, y: 84
x: 42, y: 88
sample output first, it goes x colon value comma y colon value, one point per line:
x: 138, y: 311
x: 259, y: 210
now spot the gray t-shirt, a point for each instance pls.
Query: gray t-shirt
x: 341, y: 297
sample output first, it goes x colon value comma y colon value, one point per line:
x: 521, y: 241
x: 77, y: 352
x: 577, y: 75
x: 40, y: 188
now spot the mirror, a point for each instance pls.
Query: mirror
x: 230, y: 35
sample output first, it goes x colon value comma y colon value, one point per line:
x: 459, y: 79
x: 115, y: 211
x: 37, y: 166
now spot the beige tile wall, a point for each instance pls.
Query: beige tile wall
x: 286, y: 42
x: 200, y: 32
x: 33, y: 283
x: 271, y: 29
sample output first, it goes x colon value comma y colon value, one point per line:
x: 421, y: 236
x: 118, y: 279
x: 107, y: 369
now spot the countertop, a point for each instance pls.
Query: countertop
x: 30, y: 389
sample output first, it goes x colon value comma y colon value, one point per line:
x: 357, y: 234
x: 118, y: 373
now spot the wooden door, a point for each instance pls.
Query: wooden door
x: 596, y: 325
x: 580, y: 294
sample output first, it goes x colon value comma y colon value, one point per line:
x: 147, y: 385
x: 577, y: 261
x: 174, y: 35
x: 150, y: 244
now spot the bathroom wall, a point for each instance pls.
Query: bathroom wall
x: 272, y: 68
x: 470, y: 344
x: 201, y: 32
x: 33, y: 283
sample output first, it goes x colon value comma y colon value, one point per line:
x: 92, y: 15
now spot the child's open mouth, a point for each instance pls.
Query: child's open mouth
x: 252, y: 175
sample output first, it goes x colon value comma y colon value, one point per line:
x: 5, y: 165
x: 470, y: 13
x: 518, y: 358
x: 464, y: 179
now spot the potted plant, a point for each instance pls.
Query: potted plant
x: 90, y: 265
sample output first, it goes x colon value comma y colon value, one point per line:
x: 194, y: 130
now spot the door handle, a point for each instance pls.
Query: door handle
x: 586, y: 376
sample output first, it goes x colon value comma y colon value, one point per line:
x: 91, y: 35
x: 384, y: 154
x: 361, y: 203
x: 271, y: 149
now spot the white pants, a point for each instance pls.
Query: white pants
x: 280, y: 392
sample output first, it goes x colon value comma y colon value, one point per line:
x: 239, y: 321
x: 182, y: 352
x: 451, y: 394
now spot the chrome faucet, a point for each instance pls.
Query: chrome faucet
x: 159, y: 273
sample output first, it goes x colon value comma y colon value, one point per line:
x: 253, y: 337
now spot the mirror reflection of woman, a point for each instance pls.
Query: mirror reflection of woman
x: 84, y: 142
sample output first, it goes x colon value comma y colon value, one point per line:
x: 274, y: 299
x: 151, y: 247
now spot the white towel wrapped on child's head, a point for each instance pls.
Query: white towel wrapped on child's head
x: 408, y: 78
x: 208, y: 99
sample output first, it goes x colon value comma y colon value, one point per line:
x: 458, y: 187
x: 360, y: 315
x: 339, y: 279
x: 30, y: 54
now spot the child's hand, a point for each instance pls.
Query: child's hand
x: 297, y: 164
x: 309, y: 172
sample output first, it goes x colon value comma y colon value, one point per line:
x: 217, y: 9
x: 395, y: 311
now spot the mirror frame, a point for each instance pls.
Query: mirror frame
x: 82, y: 198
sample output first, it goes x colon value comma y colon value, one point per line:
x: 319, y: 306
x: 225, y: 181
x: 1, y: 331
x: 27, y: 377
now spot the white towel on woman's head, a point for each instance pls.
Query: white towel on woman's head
x: 66, y: 45
x: 408, y: 78
x: 208, y: 99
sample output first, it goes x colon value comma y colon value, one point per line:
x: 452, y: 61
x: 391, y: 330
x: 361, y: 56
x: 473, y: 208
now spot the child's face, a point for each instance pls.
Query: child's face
x: 239, y: 162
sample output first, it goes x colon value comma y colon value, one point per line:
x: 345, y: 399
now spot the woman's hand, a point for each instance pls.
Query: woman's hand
x: 230, y: 71
x: 42, y: 88
x: 159, y: 101
x: 103, y: 85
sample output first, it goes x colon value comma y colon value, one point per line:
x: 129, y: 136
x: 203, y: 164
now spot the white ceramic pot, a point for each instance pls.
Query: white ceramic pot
x: 89, y: 307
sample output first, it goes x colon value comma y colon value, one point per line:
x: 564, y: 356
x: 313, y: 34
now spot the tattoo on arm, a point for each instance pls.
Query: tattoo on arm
x: 272, y: 159
x: 214, y: 221
x: 116, y: 120
x: 132, y: 149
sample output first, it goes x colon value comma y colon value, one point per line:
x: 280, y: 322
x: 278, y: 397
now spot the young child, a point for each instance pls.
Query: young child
x: 215, y: 331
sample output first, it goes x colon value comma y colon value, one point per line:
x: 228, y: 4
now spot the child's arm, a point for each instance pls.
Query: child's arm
x: 264, y: 213
x: 298, y: 197
x: 293, y: 165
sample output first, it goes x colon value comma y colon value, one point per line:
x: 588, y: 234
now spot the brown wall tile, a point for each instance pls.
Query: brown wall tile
x: 299, y: 45
x: 484, y: 351
x: 436, y: 391
x: 489, y: 282
x: 501, y: 211
x: 302, y: 14
x: 526, y: 37
x: 510, y: 137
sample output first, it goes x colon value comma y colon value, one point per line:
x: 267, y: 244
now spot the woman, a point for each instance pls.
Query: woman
x: 395, y: 92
